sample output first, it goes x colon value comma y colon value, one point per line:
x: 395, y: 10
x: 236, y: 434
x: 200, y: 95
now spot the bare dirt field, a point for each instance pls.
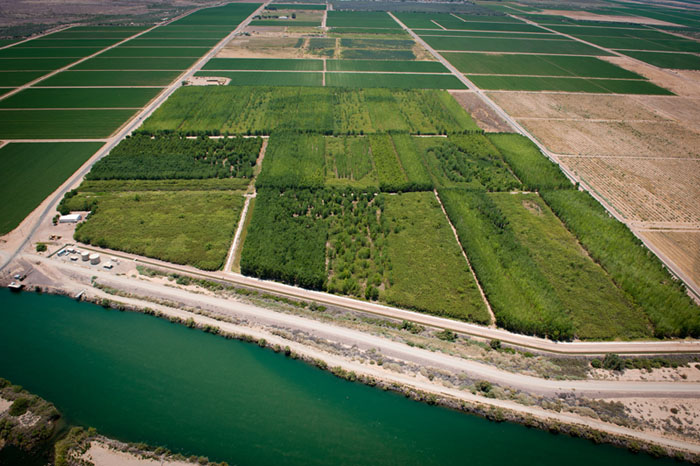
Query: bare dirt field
x: 587, y: 16
x: 485, y: 117
x: 682, y: 247
x: 101, y: 454
x: 680, y: 82
x: 645, y: 190
x: 269, y: 44
x: 684, y: 110
x: 618, y: 138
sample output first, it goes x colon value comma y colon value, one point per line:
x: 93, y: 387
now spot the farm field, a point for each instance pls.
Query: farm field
x: 61, y: 124
x: 409, y: 66
x: 48, y: 52
x: 263, y: 64
x: 683, y: 61
x: 327, y: 110
x: 80, y: 98
x: 152, y: 63
x: 349, y: 163
x: 514, y: 45
x: 110, y: 78
x: 270, y: 78
x: 158, y: 52
x: 18, y: 78
x: 682, y: 247
x: 566, y: 84
x: 645, y: 190
x: 185, y: 227
x: 32, y: 171
x: 368, y: 19
x: 33, y: 64
x: 293, y: 161
x: 403, y: 81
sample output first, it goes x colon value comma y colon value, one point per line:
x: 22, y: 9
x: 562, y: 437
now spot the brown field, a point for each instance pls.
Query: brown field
x: 681, y: 247
x: 267, y: 44
x: 619, y: 138
x: 484, y: 116
x: 684, y: 110
x: 662, y: 191
x: 681, y: 82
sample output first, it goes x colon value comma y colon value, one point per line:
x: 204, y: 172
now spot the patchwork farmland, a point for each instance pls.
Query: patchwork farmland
x: 321, y: 149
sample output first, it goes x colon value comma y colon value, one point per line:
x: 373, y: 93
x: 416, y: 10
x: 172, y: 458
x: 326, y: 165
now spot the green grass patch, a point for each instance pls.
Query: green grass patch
x: 680, y: 61
x: 378, y: 65
x: 111, y: 78
x: 635, y: 270
x: 153, y: 63
x: 454, y: 23
x: 66, y: 43
x: 365, y: 31
x: 33, y: 64
x: 533, y: 169
x: 270, y: 78
x: 293, y: 160
x: 79, y: 98
x: 184, y: 227
x: 376, y: 54
x: 526, y: 83
x: 261, y: 110
x: 403, y: 81
x: 32, y: 171
x: 61, y: 124
x: 54, y: 52
x: 538, y: 65
x: 348, y: 162
x: 636, y: 43
x: 263, y: 64
x: 18, y: 78
x: 173, y: 52
x: 497, y: 44
x: 428, y: 272
x: 167, y: 43
x: 369, y: 19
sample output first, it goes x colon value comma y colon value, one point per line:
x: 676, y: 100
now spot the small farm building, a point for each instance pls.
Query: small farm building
x: 71, y: 218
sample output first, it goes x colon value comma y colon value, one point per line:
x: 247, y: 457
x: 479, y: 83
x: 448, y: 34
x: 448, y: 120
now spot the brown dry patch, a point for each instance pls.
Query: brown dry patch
x: 682, y: 248
x: 483, y: 115
x: 632, y: 139
x: 645, y: 190
x: 678, y: 417
x: 579, y: 106
x: 263, y: 45
x: 586, y: 16
x: 680, y: 82
x: 685, y: 110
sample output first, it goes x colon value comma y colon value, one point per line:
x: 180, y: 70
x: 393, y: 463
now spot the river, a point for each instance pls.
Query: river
x: 139, y: 378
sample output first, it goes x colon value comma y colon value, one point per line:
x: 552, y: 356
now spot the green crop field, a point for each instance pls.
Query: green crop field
x: 294, y: 6
x: 637, y: 272
x: 377, y: 54
x: 73, y: 52
x: 348, y: 162
x: 487, y: 34
x: 533, y: 169
x: 66, y: 43
x: 386, y: 44
x: 370, y: 19
x: 174, y: 52
x: 681, y: 61
x: 184, y: 227
x: 526, y: 83
x: 167, y: 43
x: 635, y: 43
x: 467, y: 161
x: 285, y: 22
x: 538, y: 65
x: 378, y: 65
x: 486, y: 26
x: 111, y: 78
x: 263, y: 64
x: 79, y: 98
x: 32, y: 171
x: 60, y: 124
x: 33, y: 64
x: 185, y: 32
x: 428, y: 272
x: 260, y: 110
x: 497, y: 44
x: 152, y: 63
x: 404, y: 81
x: 18, y: 78
x: 293, y: 161
x: 270, y: 78
x: 364, y: 31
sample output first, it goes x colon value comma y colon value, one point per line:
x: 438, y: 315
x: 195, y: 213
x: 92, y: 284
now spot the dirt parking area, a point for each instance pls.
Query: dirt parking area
x: 483, y: 115
x: 681, y: 247
x: 645, y: 190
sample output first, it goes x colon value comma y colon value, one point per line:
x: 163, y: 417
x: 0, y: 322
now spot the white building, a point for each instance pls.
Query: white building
x: 71, y: 218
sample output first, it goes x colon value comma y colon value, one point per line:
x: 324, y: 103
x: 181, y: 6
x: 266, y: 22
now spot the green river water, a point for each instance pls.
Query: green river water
x: 138, y: 378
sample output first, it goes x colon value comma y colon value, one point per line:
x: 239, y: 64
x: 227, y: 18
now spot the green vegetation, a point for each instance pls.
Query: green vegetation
x: 633, y: 268
x: 681, y: 61
x: 376, y: 65
x: 80, y: 98
x: 172, y: 42
x: 111, y: 78
x: 348, y: 162
x: 294, y: 6
x: 32, y: 171
x: 404, y: 81
x: 467, y: 161
x: 293, y: 160
x: 61, y: 124
x: 527, y: 83
x: 369, y: 19
x: 271, y: 78
x: 124, y: 51
x: 497, y: 44
x: 263, y: 64
x: 72, y: 52
x: 261, y: 110
x: 123, y: 63
x: 66, y: 43
x: 376, y: 54
x: 172, y: 156
x: 534, y: 170
x: 389, y: 171
x: 427, y: 270
x: 185, y: 227
x: 18, y: 78
x: 541, y: 65
x: 34, y: 64
x: 206, y: 184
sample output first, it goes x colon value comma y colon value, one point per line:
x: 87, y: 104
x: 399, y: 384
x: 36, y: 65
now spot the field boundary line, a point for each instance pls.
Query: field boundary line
x: 469, y: 264
x: 46, y: 33
x: 575, y: 179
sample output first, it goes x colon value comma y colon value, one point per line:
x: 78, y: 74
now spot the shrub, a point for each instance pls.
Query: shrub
x: 41, y: 247
x: 613, y: 362
x: 19, y: 406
